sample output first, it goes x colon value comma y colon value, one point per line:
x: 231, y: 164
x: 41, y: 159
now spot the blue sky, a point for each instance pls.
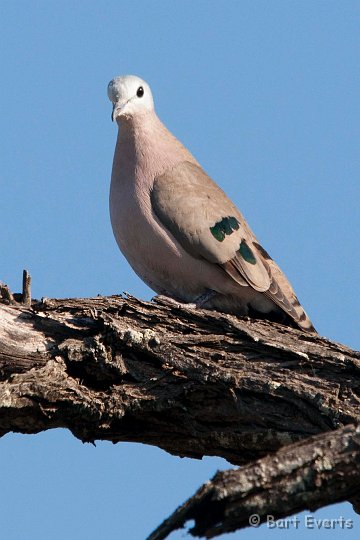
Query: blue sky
x: 266, y: 96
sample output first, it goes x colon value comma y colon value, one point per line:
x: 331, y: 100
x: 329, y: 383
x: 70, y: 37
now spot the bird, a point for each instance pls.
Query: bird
x: 178, y: 229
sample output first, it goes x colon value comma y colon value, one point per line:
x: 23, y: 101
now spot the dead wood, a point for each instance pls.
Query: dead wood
x: 192, y: 382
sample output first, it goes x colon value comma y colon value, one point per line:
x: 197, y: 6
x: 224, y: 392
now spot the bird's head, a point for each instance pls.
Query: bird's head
x: 130, y: 96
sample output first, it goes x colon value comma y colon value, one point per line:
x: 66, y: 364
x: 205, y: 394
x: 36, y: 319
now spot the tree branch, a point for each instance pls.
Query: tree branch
x: 193, y: 382
x: 321, y: 470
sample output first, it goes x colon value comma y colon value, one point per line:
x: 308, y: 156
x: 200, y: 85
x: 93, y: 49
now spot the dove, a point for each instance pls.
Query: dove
x: 178, y: 229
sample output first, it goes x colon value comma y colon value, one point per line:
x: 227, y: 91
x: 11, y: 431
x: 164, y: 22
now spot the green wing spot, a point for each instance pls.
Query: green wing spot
x: 217, y: 232
x: 234, y: 224
x: 247, y: 253
x: 224, y: 228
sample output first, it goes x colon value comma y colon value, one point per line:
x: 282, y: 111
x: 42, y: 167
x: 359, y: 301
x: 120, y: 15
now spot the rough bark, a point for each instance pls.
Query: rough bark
x: 193, y: 382
x: 309, y: 474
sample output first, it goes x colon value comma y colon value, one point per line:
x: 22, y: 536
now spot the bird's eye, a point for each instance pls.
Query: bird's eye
x: 140, y: 92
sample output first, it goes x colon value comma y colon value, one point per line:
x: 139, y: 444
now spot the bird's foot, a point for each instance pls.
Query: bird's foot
x: 205, y: 297
x: 199, y: 302
x: 168, y: 301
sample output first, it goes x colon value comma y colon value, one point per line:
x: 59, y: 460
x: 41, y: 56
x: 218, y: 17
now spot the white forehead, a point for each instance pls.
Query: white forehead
x: 125, y: 87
